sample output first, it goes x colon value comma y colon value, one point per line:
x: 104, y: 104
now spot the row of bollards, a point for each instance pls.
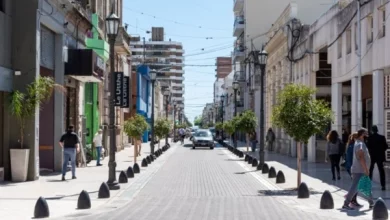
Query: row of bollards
x: 41, y: 209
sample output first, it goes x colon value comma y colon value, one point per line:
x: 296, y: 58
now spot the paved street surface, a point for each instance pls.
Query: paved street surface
x: 215, y: 184
x: 17, y: 200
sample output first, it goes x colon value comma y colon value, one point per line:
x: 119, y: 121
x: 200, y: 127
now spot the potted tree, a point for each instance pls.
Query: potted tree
x: 23, y: 106
x: 229, y: 128
x: 247, y: 123
x: 161, y: 129
x: 134, y: 128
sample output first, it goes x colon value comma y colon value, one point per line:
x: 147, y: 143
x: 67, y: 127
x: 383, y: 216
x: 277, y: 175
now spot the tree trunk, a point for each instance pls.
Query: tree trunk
x: 247, y: 142
x: 135, y: 149
x: 299, y: 145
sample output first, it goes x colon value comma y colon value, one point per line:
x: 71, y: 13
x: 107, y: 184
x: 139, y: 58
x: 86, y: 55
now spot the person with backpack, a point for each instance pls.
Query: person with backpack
x: 70, y: 143
x: 270, y: 138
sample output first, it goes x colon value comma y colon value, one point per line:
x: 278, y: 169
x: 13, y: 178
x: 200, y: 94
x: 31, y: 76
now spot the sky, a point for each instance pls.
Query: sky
x: 192, y: 23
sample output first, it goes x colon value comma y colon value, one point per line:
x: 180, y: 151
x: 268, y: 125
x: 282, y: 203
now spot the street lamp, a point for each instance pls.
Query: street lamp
x: 178, y: 114
x: 153, y: 76
x: 262, y: 62
x: 112, y: 27
x: 166, y: 94
x: 222, y: 113
x: 174, y: 121
x: 235, y: 88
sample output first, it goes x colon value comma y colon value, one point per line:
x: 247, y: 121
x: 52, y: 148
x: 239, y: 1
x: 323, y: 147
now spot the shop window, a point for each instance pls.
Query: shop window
x: 370, y: 29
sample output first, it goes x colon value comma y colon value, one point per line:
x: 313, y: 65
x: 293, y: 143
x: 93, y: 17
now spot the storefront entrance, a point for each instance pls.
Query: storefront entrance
x: 1, y: 130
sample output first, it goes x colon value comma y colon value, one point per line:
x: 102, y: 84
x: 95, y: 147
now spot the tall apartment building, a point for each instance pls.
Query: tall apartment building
x: 165, y: 57
x: 224, y: 66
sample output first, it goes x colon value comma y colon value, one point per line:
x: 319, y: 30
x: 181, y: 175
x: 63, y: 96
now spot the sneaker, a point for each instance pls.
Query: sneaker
x: 99, y: 165
x: 347, y: 208
x: 355, y: 203
x: 63, y: 178
x: 74, y: 177
x: 371, y: 205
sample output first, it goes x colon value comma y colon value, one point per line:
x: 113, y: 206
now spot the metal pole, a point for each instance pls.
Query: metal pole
x: 222, y: 117
x: 112, y: 184
x: 235, y: 114
x: 166, y: 117
x: 359, y: 53
x: 174, y: 123
x: 261, y: 152
x: 152, y: 122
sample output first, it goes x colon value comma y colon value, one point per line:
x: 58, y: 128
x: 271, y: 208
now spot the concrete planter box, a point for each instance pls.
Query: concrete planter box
x: 19, y: 164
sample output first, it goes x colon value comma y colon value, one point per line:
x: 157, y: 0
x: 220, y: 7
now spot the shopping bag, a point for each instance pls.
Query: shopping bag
x: 364, y: 186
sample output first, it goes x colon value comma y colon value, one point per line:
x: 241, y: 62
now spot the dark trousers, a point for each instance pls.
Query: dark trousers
x: 381, y: 169
x: 335, y: 164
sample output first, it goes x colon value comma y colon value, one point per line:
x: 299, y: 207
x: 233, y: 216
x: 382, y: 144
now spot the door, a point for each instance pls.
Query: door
x: 1, y: 130
x: 46, y: 130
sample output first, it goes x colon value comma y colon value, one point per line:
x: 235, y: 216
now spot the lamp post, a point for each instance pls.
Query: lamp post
x: 262, y: 62
x: 235, y: 88
x: 174, y: 121
x: 153, y: 76
x: 112, y: 27
x: 222, y: 113
x: 178, y: 114
x: 166, y: 94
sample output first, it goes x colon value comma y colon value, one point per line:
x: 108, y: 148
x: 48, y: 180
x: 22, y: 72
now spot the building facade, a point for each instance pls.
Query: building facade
x: 224, y: 66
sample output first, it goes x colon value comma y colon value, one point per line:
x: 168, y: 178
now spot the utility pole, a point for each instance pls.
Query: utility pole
x: 359, y: 74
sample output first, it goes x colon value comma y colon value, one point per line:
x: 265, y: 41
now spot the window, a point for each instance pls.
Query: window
x: 370, y: 29
x: 382, y: 22
x: 339, y: 47
x: 356, y: 36
x: 349, y: 40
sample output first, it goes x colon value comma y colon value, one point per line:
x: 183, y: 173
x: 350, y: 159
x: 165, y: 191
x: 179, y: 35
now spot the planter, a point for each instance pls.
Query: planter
x: 19, y: 164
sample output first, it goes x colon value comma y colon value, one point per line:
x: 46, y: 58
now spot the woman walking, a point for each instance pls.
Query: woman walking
x: 349, y: 160
x: 333, y: 151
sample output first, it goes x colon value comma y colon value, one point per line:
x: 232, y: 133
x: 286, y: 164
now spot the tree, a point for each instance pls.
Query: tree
x: 198, y: 121
x: 161, y: 129
x: 247, y: 123
x: 219, y: 126
x: 301, y: 115
x: 135, y: 128
x: 229, y: 127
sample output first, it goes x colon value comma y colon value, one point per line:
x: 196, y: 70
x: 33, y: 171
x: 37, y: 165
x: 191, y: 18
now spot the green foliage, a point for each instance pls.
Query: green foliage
x: 23, y: 105
x: 300, y: 114
x: 181, y: 126
x: 161, y: 128
x: 219, y: 126
x: 247, y: 121
x: 189, y: 124
x: 229, y: 127
x: 210, y: 125
x: 135, y: 126
x: 198, y: 121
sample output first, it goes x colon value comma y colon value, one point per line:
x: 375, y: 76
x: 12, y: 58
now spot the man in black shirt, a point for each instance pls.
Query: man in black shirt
x: 377, y: 146
x: 70, y: 144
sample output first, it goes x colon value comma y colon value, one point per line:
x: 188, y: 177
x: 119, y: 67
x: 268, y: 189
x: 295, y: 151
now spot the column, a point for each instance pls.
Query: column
x: 354, y: 99
x: 337, y: 97
x: 378, y: 100
x: 311, y: 149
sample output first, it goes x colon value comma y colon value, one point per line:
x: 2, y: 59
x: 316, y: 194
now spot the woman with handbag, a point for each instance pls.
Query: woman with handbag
x: 334, y: 152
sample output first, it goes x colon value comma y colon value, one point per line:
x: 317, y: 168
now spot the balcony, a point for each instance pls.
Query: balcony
x: 239, y: 25
x: 238, y: 5
x: 238, y: 53
x: 176, y: 71
x: 177, y: 78
x: 239, y: 76
x: 122, y: 42
x: 177, y: 84
x: 174, y: 91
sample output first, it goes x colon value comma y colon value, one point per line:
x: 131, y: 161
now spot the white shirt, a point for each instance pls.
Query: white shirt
x: 98, y: 140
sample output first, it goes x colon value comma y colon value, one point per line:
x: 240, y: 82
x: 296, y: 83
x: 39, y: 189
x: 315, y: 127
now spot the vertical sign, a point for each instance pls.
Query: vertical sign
x: 118, y: 79
x: 125, y: 92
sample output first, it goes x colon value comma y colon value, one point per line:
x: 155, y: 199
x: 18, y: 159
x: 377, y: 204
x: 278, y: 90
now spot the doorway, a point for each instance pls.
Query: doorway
x: 1, y: 129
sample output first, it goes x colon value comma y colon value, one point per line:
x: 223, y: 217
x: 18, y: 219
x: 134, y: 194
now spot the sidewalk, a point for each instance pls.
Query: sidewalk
x: 17, y: 200
x: 318, y: 178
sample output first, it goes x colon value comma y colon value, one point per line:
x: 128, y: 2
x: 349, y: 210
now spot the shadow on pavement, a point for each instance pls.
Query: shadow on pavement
x: 66, y: 196
x: 285, y: 192
x: 246, y: 172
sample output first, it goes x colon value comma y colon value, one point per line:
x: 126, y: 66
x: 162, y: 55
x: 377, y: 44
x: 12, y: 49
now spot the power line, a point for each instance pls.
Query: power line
x: 173, y: 21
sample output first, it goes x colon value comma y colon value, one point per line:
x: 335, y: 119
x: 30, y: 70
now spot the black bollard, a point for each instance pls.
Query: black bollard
x: 272, y: 173
x: 259, y: 167
x: 326, y: 200
x: 84, y: 202
x: 241, y: 155
x: 280, y: 177
x: 136, y: 168
x: 255, y: 162
x: 130, y: 172
x: 250, y: 159
x: 148, y: 159
x: 246, y: 157
x: 265, y: 168
x: 41, y: 209
x: 104, y: 191
x: 380, y: 210
x: 144, y: 163
x: 303, y: 191
x: 122, y: 177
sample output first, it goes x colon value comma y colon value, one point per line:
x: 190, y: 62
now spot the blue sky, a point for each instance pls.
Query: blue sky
x: 181, y: 20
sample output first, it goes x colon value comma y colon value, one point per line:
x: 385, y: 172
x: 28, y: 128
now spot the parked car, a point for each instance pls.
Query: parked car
x: 203, y: 138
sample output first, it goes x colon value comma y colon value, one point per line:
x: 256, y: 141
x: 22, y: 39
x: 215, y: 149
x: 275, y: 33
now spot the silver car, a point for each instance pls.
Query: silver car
x: 203, y: 138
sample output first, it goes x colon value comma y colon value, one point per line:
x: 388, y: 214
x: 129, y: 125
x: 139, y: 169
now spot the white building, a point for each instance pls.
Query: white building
x: 166, y: 57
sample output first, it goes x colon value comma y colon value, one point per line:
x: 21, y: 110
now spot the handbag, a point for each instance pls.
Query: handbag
x: 364, y: 186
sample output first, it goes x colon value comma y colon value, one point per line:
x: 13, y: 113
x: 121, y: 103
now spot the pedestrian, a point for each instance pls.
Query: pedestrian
x: 270, y: 138
x: 359, y: 169
x: 253, y: 137
x: 377, y: 147
x: 334, y: 151
x: 70, y: 143
x: 98, y: 142
x: 348, y: 162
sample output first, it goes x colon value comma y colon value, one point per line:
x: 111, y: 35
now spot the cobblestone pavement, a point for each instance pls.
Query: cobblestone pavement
x: 214, y: 184
x: 17, y: 200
